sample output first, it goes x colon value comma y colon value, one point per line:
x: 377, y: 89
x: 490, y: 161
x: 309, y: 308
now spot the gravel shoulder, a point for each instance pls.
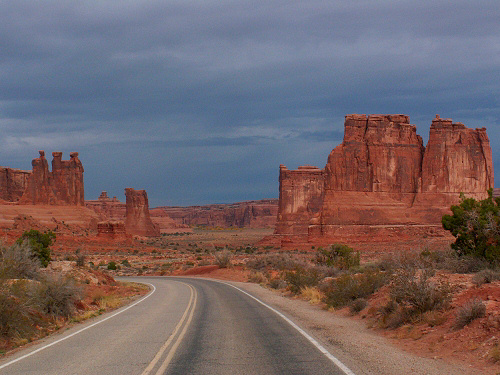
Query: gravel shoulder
x: 360, y: 349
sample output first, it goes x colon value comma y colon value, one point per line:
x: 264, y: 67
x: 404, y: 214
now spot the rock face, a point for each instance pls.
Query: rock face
x: 62, y: 186
x: 301, y: 196
x: 382, y: 184
x: 13, y: 183
x: 249, y: 214
x: 496, y: 192
x: 138, y: 220
x: 108, y: 209
x: 111, y: 229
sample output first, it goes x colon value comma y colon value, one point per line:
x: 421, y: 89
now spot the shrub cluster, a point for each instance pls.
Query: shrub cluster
x: 339, y: 256
x: 472, y: 310
x: 223, y: 258
x: 345, y: 289
x: 302, y: 277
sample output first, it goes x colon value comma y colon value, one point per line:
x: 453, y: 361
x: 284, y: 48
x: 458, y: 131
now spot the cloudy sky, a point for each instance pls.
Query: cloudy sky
x: 200, y: 101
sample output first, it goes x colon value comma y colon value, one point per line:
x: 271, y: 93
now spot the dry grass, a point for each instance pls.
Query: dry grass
x: 312, y: 294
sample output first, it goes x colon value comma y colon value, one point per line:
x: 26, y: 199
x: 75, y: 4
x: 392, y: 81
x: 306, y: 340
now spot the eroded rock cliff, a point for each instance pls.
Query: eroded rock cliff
x: 249, y: 214
x: 63, y: 186
x: 382, y: 184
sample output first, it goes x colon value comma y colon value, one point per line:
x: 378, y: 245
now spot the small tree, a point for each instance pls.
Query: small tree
x: 39, y: 244
x: 476, y: 227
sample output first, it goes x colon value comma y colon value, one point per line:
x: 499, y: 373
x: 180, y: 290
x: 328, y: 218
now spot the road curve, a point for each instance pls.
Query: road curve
x: 184, y: 326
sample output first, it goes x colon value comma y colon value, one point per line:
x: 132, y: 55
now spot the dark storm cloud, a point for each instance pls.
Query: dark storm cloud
x: 225, y: 91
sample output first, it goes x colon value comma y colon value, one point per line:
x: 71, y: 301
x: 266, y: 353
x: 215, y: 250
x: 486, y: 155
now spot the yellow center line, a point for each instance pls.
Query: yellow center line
x: 192, y: 303
x: 172, y: 351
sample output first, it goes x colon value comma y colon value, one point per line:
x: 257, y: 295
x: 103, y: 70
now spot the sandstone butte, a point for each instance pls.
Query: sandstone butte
x: 112, y: 211
x: 53, y: 199
x: 382, y: 185
x: 137, y: 220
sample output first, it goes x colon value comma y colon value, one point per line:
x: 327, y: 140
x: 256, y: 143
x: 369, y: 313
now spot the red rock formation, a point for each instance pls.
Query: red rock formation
x: 13, y: 183
x: 111, y: 209
x: 62, y: 186
x: 457, y: 159
x: 381, y: 184
x: 111, y: 229
x: 138, y: 220
x: 496, y: 192
x: 301, y: 195
x: 108, y: 209
x: 67, y: 179
x: 249, y: 214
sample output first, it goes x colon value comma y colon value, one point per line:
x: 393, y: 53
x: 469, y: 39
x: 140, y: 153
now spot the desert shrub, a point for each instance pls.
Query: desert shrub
x: 277, y: 283
x: 39, y: 243
x: 56, y: 295
x: 223, y: 258
x: 112, y: 266
x: 340, y: 256
x: 472, y: 310
x: 15, y: 316
x: 279, y: 262
x: 80, y: 260
x: 416, y: 293
x: 476, y: 227
x: 347, y: 288
x: 434, y: 318
x: 126, y: 263
x: 301, y: 277
x: 463, y: 264
x: 485, y: 277
x: 394, y: 316
x: 17, y: 262
x: 257, y: 277
x: 357, y: 305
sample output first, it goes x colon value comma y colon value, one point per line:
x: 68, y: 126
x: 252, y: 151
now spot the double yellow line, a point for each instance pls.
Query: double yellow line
x: 170, y: 343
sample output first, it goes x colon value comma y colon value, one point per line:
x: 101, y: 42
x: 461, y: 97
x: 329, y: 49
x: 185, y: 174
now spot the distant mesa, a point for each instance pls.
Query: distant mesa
x: 381, y: 184
x: 248, y: 214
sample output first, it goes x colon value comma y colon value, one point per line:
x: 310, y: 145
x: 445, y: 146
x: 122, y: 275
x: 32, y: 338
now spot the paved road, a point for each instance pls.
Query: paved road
x: 186, y: 326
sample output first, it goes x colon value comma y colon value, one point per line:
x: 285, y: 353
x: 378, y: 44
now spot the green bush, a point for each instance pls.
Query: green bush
x: 112, y: 266
x: 340, y: 256
x: 39, y: 243
x: 347, y: 288
x: 476, y: 227
x: 302, y: 277
x: 472, y: 310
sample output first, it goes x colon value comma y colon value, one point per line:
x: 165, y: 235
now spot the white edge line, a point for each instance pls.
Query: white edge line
x: 320, y: 347
x: 81, y: 330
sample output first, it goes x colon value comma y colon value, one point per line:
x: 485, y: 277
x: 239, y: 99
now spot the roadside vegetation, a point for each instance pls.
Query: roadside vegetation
x: 37, y: 299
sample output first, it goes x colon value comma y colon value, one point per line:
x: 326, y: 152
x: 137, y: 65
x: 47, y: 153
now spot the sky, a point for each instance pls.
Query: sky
x: 199, y: 102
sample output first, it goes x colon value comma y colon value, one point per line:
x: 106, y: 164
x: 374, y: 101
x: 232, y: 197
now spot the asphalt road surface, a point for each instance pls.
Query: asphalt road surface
x: 184, y: 326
